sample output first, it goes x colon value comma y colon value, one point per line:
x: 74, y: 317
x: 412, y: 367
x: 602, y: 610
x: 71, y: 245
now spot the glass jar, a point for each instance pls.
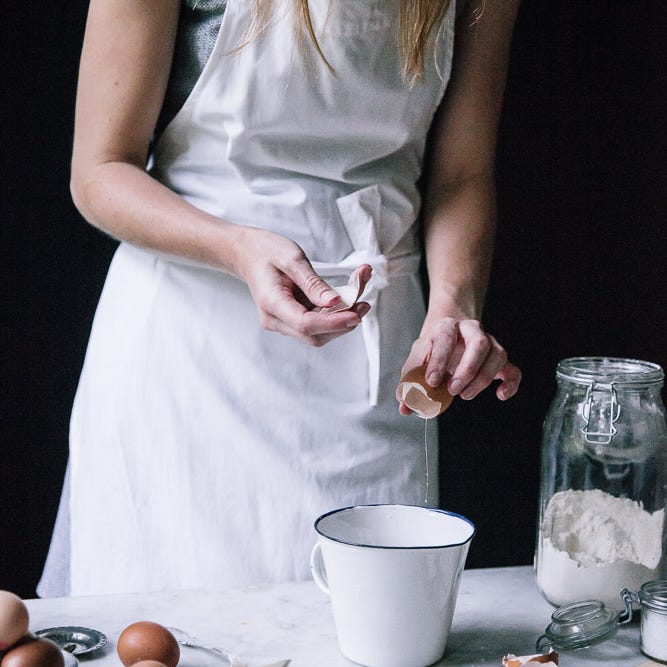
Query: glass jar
x: 588, y: 624
x: 602, y: 496
x: 652, y: 597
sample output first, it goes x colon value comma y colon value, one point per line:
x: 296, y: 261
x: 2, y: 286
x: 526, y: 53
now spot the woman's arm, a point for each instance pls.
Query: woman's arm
x: 460, y: 209
x: 123, y: 75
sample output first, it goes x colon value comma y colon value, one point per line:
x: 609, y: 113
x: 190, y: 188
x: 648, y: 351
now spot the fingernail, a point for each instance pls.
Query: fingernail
x: 333, y: 300
x: 434, y: 379
x: 455, y: 387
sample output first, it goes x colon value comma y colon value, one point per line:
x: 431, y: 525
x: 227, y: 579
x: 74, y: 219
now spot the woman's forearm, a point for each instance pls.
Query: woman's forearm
x: 123, y: 75
x: 459, y: 233
x: 124, y: 201
x: 460, y: 199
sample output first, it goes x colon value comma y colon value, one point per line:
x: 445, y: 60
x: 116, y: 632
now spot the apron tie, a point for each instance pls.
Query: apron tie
x: 359, y: 212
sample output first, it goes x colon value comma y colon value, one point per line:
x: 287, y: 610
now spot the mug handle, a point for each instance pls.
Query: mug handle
x: 317, y: 568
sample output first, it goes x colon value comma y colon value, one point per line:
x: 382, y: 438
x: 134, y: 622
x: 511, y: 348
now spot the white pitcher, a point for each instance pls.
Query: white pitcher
x: 393, y: 573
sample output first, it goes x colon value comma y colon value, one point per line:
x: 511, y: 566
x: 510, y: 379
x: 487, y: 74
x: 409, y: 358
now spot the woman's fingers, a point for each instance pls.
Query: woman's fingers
x: 462, y: 354
x: 291, y: 298
x: 282, y: 310
x: 443, y: 346
x: 314, y: 288
x: 510, y: 377
x: 482, y: 358
x: 292, y: 319
x: 310, y: 328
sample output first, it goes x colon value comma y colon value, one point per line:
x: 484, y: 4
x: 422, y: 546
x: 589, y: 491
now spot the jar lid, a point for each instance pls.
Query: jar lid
x: 578, y: 625
x: 616, y: 370
x: 653, y: 595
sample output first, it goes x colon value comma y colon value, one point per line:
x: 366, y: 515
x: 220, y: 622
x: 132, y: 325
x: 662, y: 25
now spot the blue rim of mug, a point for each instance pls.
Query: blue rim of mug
x: 377, y: 546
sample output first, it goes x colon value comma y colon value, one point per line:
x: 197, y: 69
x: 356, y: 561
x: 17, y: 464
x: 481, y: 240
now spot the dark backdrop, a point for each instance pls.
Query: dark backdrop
x: 579, y: 266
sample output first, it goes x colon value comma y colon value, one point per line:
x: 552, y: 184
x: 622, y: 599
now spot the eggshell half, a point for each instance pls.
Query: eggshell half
x: 14, y: 619
x: 146, y: 640
x: 426, y: 401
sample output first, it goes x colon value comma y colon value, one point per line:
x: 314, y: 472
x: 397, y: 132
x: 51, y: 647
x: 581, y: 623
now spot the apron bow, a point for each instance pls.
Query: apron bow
x: 359, y: 212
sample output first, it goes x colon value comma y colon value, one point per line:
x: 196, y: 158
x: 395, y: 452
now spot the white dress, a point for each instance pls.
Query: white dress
x: 203, y: 447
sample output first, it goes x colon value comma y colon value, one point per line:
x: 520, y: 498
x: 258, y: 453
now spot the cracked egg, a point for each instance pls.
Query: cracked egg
x: 420, y: 397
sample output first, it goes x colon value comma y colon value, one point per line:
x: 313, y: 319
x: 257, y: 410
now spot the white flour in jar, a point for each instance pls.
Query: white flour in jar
x: 593, y: 544
x: 654, y: 634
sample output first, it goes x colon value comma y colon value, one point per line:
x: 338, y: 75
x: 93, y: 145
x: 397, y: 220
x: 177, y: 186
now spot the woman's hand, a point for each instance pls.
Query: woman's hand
x: 460, y: 353
x: 289, y: 295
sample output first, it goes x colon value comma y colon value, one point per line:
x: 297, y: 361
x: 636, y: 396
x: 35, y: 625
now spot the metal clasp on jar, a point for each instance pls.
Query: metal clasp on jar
x: 602, y: 415
x: 630, y: 599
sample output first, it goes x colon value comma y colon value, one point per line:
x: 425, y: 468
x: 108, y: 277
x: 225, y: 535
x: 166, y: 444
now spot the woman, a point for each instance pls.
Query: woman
x: 203, y: 445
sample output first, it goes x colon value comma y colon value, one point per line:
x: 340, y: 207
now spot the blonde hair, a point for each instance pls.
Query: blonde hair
x: 419, y: 23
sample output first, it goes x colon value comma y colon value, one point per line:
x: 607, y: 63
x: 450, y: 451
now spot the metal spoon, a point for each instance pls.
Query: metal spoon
x: 234, y: 660
x: 185, y: 639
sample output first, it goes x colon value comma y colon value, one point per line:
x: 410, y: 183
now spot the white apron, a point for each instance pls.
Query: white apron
x: 202, y: 446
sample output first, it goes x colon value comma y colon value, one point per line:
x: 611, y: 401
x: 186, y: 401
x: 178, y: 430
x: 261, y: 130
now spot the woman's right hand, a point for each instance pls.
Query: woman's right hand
x: 289, y: 295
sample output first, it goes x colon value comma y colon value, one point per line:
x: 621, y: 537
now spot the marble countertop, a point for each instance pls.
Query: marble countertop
x: 499, y: 611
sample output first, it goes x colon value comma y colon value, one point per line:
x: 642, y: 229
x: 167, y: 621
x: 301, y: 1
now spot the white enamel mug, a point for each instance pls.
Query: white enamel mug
x: 393, y: 574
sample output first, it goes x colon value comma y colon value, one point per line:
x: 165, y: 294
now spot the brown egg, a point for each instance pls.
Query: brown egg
x: 149, y: 663
x: 14, y: 619
x: 146, y: 640
x: 34, y: 652
x: 421, y: 398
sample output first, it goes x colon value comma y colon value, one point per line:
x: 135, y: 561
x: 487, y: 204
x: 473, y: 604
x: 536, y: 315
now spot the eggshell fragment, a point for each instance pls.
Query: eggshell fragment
x: 349, y: 294
x: 146, y: 640
x: 420, y: 397
x: 34, y: 652
x: 542, y: 660
x: 14, y: 619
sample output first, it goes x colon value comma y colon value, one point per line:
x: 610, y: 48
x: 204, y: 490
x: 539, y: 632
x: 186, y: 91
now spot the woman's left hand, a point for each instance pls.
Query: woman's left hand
x: 460, y: 353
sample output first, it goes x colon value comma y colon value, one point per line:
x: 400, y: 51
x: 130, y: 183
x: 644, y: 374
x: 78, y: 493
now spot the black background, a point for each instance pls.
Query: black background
x: 579, y: 266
